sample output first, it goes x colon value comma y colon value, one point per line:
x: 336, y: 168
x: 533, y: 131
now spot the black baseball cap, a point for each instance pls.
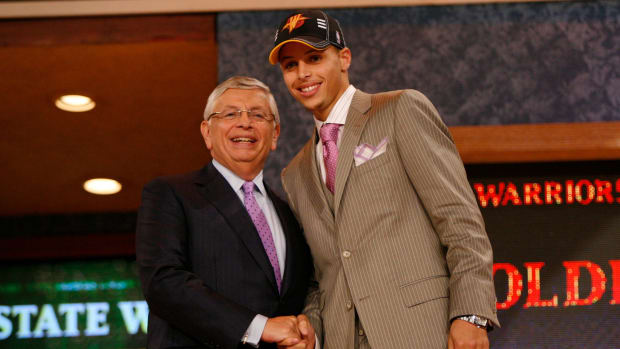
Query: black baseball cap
x: 313, y: 28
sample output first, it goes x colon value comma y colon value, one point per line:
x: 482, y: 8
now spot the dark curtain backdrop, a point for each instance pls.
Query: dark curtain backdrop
x: 479, y: 64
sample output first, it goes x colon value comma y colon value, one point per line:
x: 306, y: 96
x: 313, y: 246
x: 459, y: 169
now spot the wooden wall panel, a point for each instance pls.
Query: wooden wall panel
x: 538, y: 142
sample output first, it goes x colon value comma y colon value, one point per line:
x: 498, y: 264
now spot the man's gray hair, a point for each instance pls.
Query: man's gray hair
x: 244, y: 83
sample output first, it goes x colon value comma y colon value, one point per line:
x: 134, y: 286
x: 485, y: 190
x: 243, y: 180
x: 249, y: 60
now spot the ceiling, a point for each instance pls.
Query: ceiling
x: 150, y: 77
x: 48, y: 8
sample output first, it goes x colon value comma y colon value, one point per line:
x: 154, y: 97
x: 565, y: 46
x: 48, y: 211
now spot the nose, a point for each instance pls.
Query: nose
x: 302, y: 70
x: 244, y: 120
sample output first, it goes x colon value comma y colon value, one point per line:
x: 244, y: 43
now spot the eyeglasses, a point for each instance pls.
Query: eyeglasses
x: 255, y: 115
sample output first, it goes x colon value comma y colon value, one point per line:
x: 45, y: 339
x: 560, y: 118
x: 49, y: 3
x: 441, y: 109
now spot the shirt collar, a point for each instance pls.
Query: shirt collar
x: 235, y: 181
x: 338, y: 114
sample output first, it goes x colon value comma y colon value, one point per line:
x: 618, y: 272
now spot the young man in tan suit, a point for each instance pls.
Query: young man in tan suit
x: 401, y: 255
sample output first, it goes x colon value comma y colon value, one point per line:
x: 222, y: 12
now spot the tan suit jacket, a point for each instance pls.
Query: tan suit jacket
x: 403, y: 243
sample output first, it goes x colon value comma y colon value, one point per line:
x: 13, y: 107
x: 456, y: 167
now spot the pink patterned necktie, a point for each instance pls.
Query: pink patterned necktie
x: 260, y: 222
x: 329, y: 137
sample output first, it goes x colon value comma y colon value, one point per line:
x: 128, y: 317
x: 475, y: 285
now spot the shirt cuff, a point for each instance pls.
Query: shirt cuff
x: 255, y: 330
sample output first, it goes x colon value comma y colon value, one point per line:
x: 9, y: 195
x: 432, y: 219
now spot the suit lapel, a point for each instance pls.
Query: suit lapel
x: 356, y: 121
x: 310, y: 175
x: 217, y: 191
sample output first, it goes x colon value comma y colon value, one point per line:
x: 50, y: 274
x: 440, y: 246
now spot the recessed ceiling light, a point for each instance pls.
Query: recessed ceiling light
x: 75, y: 103
x: 102, y: 186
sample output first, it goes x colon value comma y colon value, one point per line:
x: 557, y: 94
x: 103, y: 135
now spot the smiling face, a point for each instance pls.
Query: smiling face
x: 241, y: 144
x: 316, y: 78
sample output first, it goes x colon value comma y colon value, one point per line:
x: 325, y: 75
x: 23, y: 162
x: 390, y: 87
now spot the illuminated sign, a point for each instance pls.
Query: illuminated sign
x: 46, y: 319
x: 549, y: 192
x: 573, y: 269
x: 554, y: 228
x: 72, y: 304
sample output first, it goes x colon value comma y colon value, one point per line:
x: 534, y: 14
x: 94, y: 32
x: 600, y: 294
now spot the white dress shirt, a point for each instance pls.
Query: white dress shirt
x: 255, y: 330
x: 338, y: 115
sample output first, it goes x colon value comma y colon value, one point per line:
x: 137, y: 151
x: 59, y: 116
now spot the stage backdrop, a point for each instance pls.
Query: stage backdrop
x: 555, y: 235
x: 479, y: 64
x: 554, y: 227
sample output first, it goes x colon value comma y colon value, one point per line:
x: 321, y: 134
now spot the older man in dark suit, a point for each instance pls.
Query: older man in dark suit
x: 222, y: 260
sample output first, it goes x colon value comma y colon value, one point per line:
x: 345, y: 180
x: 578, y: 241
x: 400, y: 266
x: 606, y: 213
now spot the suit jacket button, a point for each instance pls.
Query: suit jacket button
x: 346, y: 254
x: 349, y: 305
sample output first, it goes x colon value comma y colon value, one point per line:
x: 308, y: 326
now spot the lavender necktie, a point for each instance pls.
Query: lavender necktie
x: 260, y: 222
x: 329, y: 137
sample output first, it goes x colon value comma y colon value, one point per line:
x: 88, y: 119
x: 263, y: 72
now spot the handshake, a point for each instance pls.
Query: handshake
x: 289, y: 332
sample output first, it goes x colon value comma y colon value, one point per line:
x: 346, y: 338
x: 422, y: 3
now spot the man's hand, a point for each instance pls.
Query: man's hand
x: 300, y: 345
x: 306, y: 330
x: 464, y: 335
x: 307, y: 335
x: 279, y: 329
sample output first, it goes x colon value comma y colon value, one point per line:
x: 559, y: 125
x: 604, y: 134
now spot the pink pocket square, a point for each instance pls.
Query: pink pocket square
x: 365, y: 152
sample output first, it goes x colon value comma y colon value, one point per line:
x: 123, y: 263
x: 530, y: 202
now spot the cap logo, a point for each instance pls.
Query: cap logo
x: 294, y: 22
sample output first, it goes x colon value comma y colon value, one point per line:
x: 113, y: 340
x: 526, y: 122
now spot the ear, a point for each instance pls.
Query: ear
x: 344, y: 56
x: 206, y: 133
x: 276, y: 134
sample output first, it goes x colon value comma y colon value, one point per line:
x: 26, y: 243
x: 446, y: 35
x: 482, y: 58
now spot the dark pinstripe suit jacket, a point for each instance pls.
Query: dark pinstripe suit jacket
x: 204, y: 271
x: 404, y: 245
